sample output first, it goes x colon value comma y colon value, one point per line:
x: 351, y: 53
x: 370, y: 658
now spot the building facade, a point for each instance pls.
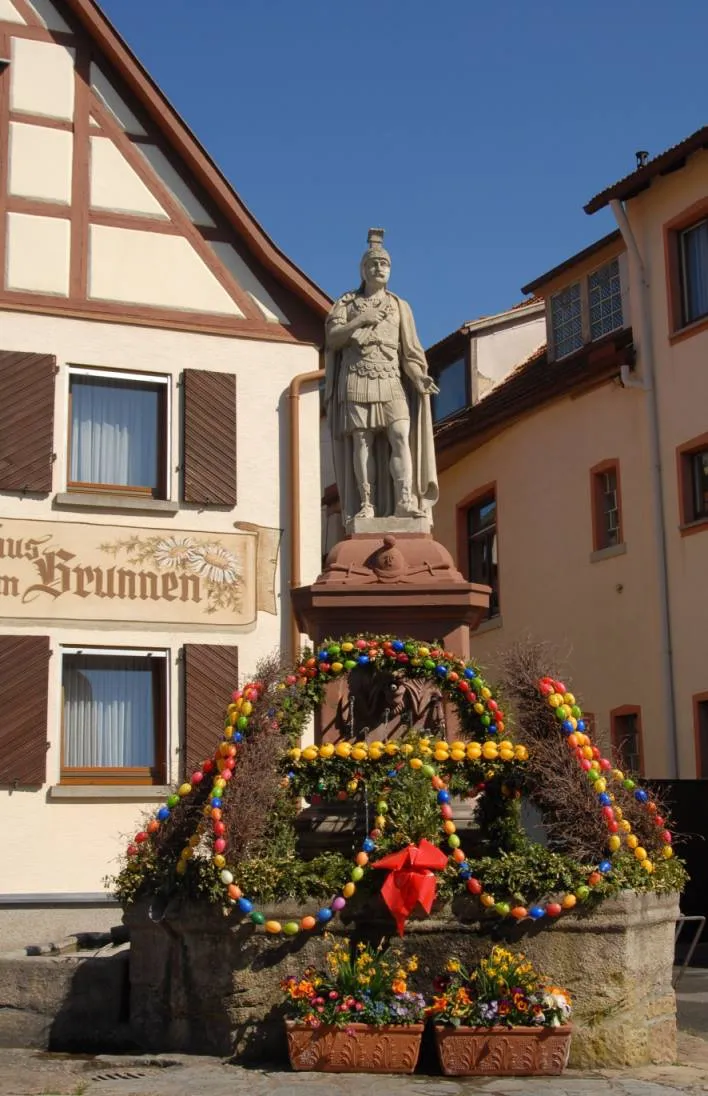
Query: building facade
x: 578, y: 488
x: 156, y: 349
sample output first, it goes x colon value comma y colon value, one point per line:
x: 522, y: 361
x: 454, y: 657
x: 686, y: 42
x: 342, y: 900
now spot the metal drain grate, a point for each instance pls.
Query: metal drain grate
x: 122, y: 1075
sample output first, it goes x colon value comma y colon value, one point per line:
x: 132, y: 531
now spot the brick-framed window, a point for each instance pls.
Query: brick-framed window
x: 606, y: 505
x: 686, y: 254
x: 700, y: 730
x: 477, y: 541
x: 626, y: 732
x: 114, y: 715
x: 692, y: 468
x: 119, y: 429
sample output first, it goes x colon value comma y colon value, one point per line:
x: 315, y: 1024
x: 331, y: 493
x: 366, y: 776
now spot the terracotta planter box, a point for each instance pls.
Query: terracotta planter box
x: 358, y: 1048
x: 502, y: 1051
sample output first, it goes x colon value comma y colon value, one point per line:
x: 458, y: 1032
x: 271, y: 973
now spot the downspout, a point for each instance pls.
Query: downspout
x: 648, y: 384
x: 293, y: 488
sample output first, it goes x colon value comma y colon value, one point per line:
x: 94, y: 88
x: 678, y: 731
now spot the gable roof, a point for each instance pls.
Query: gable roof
x: 672, y: 159
x: 534, y: 383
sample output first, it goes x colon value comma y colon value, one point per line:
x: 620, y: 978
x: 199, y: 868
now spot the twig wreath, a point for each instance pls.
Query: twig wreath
x: 191, y: 824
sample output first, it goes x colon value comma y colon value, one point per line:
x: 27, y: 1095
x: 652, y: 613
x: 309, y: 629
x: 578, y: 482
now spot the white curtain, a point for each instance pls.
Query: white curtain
x: 696, y: 258
x: 113, y: 433
x: 109, y: 716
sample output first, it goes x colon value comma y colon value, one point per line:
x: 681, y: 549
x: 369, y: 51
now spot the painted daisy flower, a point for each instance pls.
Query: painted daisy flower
x: 215, y: 563
x: 174, y: 552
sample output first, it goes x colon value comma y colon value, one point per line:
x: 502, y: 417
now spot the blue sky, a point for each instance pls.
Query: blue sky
x: 473, y: 132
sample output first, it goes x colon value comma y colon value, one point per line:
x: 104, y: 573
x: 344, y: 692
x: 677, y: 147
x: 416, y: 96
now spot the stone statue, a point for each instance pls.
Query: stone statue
x: 377, y: 395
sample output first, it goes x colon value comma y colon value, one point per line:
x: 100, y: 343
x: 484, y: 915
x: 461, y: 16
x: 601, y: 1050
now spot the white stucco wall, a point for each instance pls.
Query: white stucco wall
x: 79, y: 839
x: 500, y: 351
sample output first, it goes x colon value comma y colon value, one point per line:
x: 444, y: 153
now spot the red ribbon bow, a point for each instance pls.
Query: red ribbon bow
x: 411, y: 881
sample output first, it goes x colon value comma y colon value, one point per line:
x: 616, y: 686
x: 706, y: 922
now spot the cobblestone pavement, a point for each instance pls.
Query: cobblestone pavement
x: 31, y: 1073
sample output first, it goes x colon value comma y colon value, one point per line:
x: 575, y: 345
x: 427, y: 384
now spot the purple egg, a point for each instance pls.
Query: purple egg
x: 339, y: 903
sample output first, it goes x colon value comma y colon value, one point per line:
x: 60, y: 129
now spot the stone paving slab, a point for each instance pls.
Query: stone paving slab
x: 31, y: 1073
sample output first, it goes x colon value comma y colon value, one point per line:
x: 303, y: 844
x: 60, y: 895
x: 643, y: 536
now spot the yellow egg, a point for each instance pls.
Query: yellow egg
x: 487, y: 899
x: 310, y: 753
x: 391, y: 748
x: 667, y: 852
x: 375, y: 755
x: 380, y: 821
x: 406, y: 748
x: 648, y: 866
x: 347, y: 646
x: 632, y: 841
x: 425, y: 751
x: 458, y: 744
x: 474, y: 751
x: 415, y: 763
x: 181, y: 867
x: 246, y: 707
x: 342, y: 749
x: 489, y: 751
x: 219, y: 860
x: 640, y: 853
x: 424, y: 742
x: 479, y: 708
x: 569, y: 698
x: 337, y: 667
x: 274, y: 927
x: 521, y: 753
x: 506, y: 755
x: 327, y: 749
x: 294, y: 754
x: 187, y: 853
x: 358, y: 753
x: 600, y: 785
x: 423, y: 652
x: 184, y: 789
x: 485, y: 692
x: 625, y: 826
x: 505, y: 744
x: 457, y: 755
x: 614, y: 843
x: 555, y: 699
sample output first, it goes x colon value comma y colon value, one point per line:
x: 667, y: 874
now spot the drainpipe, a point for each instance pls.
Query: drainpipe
x: 296, y: 385
x: 647, y: 383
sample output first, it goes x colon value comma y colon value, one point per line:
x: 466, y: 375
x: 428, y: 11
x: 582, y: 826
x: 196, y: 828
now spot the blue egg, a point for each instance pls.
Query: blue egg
x: 163, y: 814
x: 441, y: 671
x: 492, y: 728
x: 362, y: 660
x: 581, y: 724
x: 368, y: 845
x: 604, y: 866
x: 567, y: 726
x: 398, y: 645
x: 470, y: 673
x: 323, y: 656
x: 604, y: 799
x: 216, y: 802
x: 238, y: 737
x: 392, y: 772
x: 324, y: 915
x: 536, y: 912
x: 640, y: 795
x: 244, y: 905
x: 465, y: 874
x: 443, y: 796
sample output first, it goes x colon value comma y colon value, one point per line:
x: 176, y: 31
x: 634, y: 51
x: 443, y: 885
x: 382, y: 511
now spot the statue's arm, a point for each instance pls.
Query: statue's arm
x: 339, y: 330
x: 413, y: 360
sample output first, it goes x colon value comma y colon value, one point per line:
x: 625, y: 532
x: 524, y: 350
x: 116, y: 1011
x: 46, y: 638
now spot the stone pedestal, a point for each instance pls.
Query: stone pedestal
x: 403, y: 583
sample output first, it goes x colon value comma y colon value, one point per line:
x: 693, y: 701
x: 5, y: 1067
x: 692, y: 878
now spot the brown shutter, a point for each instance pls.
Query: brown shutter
x: 209, y: 438
x: 210, y: 677
x: 24, y: 680
x: 26, y: 421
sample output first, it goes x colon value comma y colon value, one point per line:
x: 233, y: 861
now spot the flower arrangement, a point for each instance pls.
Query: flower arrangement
x: 502, y: 990
x: 366, y: 985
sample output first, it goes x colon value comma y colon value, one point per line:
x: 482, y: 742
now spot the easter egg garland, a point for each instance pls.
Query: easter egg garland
x: 481, y: 717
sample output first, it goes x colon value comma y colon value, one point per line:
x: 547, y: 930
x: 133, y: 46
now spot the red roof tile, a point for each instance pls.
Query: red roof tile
x: 670, y: 160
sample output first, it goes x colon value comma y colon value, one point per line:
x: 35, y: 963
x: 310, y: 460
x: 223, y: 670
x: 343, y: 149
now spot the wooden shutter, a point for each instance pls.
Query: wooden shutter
x: 209, y: 438
x: 24, y: 679
x: 210, y: 677
x: 26, y: 421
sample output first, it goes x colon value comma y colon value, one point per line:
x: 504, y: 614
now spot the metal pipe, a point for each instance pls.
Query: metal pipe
x: 646, y: 358
x: 294, y: 390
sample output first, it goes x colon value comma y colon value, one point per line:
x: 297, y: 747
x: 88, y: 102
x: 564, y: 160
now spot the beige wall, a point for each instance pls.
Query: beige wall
x: 500, y: 351
x: 601, y: 616
x: 682, y: 391
x: 79, y: 839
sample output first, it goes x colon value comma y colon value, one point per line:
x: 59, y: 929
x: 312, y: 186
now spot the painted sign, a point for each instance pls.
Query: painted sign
x: 72, y: 571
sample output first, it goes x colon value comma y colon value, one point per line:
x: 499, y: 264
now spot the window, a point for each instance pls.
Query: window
x: 693, y: 251
x: 606, y: 510
x: 452, y: 380
x: 482, y: 565
x: 693, y: 483
x: 700, y: 725
x: 605, y: 300
x: 114, y: 717
x: 118, y: 431
x: 567, y: 321
x: 587, y: 310
x: 627, y: 738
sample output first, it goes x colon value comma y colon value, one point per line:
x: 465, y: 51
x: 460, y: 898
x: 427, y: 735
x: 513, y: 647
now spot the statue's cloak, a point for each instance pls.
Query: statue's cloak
x: 411, y: 358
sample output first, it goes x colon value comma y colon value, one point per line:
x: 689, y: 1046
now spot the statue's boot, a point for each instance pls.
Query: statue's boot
x: 366, y: 510
x: 405, y: 506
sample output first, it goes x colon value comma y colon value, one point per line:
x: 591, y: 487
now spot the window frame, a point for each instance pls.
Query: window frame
x: 163, y: 382
x: 617, y: 714
x: 701, y: 763
x: 685, y: 454
x: 689, y: 218
x: 470, y: 502
x: 586, y: 326
x: 596, y: 495
x: 438, y: 368
x: 122, y: 776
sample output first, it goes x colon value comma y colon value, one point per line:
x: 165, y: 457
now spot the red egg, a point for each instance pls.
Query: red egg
x: 474, y: 886
x: 553, y: 909
x: 219, y: 828
x: 141, y: 836
x: 197, y: 777
x: 219, y: 845
x: 446, y: 811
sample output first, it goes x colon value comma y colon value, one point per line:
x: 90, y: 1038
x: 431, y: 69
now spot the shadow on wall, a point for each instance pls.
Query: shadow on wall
x: 687, y: 800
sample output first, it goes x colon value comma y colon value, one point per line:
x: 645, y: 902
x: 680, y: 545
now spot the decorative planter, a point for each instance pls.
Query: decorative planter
x: 502, y: 1051
x: 358, y: 1048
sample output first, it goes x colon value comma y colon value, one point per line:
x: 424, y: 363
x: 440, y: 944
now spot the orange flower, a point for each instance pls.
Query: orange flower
x: 462, y: 997
x: 439, y: 1005
x: 399, y: 985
